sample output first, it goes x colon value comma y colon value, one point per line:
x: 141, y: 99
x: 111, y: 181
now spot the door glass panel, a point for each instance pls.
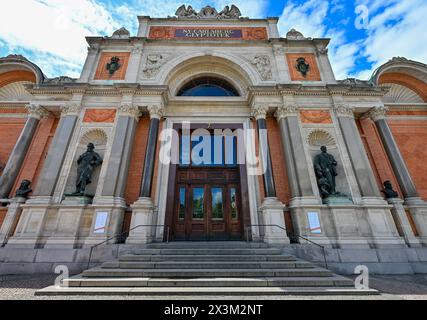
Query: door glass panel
x: 181, y: 213
x: 217, y: 203
x: 198, y: 199
x: 233, y: 202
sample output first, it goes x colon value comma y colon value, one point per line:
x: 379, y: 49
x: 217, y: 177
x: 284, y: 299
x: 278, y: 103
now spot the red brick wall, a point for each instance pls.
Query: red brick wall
x: 3, y: 212
x: 411, y: 137
x: 376, y: 153
x: 37, y: 152
x: 136, y: 167
x: 10, y: 129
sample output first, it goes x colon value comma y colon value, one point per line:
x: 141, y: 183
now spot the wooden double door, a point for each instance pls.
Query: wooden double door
x: 207, y: 204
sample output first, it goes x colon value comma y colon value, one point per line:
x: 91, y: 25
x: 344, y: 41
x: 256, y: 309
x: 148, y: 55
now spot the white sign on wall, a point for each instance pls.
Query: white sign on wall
x: 314, y: 222
x: 100, y: 222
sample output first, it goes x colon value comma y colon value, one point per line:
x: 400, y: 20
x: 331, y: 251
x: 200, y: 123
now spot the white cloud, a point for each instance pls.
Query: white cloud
x: 396, y: 28
x: 52, y: 32
x: 310, y: 19
x: 54, y: 27
x: 307, y: 18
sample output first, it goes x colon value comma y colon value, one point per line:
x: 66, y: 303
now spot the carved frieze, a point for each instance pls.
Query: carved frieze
x: 263, y: 65
x: 153, y: 64
x: 286, y: 111
x: 70, y: 109
x: 343, y: 110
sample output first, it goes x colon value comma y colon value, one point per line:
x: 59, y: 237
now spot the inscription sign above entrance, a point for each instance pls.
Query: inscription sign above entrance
x: 246, y: 33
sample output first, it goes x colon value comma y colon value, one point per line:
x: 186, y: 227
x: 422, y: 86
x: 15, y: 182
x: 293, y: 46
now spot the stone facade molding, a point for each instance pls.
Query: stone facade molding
x: 377, y: 113
x: 259, y: 111
x: 130, y: 110
x: 343, y: 110
x: 36, y: 111
x: 156, y: 111
x: 153, y: 64
x: 286, y: 111
x: 71, y: 109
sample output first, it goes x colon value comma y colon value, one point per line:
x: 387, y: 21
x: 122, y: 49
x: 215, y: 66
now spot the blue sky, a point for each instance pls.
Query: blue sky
x: 364, y: 33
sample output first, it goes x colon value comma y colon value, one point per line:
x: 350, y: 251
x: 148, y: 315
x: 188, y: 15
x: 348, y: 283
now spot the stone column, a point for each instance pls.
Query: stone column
x: 362, y: 168
x: 90, y: 63
x: 57, y: 151
x: 121, y: 149
x: 142, y: 210
x: 377, y: 212
x: 400, y: 169
x: 16, y: 158
x: 272, y: 209
x: 416, y: 206
x: 134, y: 64
x: 293, y: 147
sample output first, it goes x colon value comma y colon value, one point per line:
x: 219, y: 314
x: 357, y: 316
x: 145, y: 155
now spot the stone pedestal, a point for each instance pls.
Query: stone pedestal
x: 351, y: 227
x: 11, y: 220
x: 402, y: 222
x: 106, y: 220
x: 30, y: 225
x: 300, y: 209
x: 62, y: 228
x: 418, y: 210
x: 380, y: 219
x: 142, y: 215
x: 273, y: 217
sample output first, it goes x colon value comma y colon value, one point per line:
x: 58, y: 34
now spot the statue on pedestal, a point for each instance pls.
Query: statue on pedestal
x: 388, y: 190
x: 325, y: 168
x: 87, y: 163
x: 24, y: 189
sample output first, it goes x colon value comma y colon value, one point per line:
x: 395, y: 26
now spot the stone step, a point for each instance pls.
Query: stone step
x: 206, y: 244
x: 206, y: 265
x: 190, y: 291
x: 208, y: 251
x: 171, y: 257
x: 203, y: 273
x: 337, y: 281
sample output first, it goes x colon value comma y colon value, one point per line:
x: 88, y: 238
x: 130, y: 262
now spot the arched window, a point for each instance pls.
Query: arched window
x: 208, y: 87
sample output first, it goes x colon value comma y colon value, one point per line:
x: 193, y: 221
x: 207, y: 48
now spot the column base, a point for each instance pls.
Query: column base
x: 10, y: 221
x: 403, y: 224
x: 418, y: 210
x: 273, y: 217
x: 142, y: 215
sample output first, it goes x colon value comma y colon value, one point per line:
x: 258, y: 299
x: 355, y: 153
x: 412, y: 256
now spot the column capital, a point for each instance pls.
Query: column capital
x: 377, y: 113
x: 36, y: 111
x: 71, y: 109
x: 130, y: 110
x: 286, y: 111
x: 259, y: 112
x: 343, y: 110
x: 156, y: 111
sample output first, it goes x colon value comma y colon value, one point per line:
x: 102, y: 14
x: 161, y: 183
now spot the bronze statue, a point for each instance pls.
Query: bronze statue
x: 388, y: 190
x: 325, y: 169
x: 86, y: 165
x: 24, y: 189
x: 113, y: 65
x: 303, y: 66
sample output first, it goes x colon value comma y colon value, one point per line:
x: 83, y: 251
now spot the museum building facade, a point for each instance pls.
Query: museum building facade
x: 209, y: 126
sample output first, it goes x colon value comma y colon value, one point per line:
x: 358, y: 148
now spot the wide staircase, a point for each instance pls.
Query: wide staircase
x: 206, y: 268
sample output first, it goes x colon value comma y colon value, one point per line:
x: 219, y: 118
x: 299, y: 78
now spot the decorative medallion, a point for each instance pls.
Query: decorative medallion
x: 113, y: 65
x: 302, y: 66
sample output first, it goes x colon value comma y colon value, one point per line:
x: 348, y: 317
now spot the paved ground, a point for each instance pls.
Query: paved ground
x: 406, y: 287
